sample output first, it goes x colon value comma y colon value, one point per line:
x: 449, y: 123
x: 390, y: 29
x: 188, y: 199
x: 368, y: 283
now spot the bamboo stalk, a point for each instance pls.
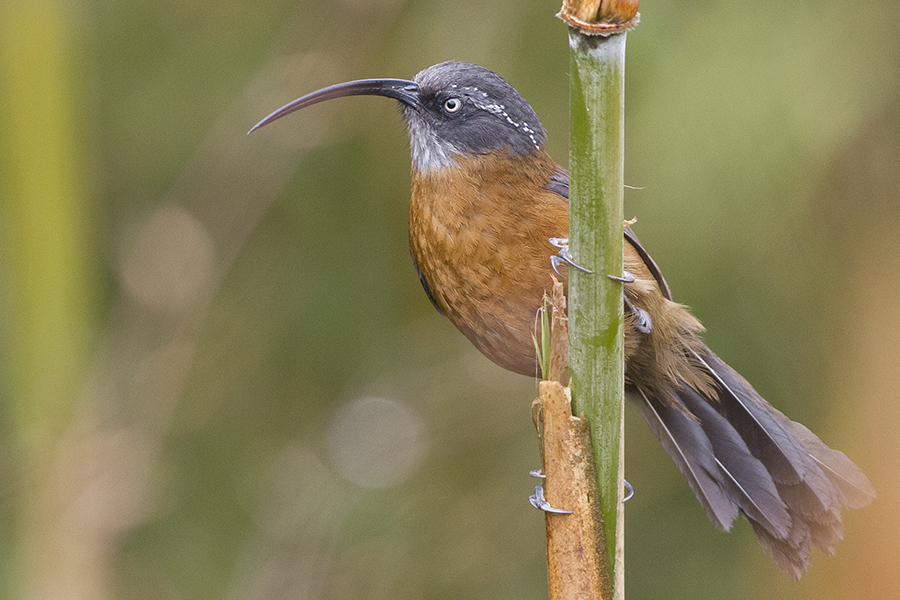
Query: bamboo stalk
x: 45, y: 245
x: 576, y: 541
x: 596, y: 348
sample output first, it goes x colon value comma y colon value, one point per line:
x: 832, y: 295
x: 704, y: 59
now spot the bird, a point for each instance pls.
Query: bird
x: 488, y: 223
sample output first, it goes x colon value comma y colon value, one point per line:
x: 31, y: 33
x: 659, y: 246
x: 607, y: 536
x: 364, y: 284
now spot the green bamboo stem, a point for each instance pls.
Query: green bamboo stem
x: 596, y: 349
x: 49, y: 285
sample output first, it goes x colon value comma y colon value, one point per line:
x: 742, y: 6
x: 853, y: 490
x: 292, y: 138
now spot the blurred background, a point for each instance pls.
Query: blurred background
x: 220, y: 378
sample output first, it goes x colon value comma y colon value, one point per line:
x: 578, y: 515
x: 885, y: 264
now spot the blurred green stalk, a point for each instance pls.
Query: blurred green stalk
x: 46, y: 280
x: 596, y: 350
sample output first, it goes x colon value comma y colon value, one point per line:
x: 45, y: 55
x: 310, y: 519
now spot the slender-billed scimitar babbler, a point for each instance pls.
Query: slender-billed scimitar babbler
x: 488, y: 212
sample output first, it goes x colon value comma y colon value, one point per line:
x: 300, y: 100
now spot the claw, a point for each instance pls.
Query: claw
x: 538, y: 501
x: 642, y: 321
x: 626, y: 277
x: 555, y: 261
x: 563, y: 256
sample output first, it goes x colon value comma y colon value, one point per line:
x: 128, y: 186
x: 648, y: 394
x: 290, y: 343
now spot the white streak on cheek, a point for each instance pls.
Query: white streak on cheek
x: 500, y: 109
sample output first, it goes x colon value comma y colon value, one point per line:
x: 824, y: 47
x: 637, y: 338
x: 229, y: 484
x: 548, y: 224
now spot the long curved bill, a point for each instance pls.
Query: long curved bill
x: 400, y: 89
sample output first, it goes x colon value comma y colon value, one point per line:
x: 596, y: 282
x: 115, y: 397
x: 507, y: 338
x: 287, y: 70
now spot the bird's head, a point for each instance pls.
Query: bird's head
x: 451, y: 108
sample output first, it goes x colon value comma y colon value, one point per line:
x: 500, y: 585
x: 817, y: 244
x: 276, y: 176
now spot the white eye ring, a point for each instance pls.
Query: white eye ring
x: 452, y: 105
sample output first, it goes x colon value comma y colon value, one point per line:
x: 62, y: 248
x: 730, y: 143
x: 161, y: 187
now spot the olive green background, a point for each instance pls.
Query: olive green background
x: 189, y: 316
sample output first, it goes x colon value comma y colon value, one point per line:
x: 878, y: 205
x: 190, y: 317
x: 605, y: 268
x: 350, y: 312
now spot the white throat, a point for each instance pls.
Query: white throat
x: 427, y: 149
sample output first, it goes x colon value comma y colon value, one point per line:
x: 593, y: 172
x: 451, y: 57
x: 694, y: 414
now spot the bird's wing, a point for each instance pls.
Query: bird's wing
x: 559, y: 184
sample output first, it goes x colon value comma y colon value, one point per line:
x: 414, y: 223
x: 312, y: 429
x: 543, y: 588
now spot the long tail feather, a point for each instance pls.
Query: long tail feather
x: 684, y: 441
x: 738, y: 453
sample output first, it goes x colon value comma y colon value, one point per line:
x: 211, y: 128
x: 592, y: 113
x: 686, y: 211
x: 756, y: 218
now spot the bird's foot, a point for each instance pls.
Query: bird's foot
x: 538, y: 501
x: 642, y: 321
x: 625, y: 278
x: 563, y: 256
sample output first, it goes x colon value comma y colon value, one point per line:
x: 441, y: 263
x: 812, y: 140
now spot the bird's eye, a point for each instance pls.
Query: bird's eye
x: 451, y: 105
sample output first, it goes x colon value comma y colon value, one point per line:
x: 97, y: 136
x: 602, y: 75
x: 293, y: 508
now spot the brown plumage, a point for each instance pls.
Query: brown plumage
x: 485, y: 271
x: 485, y: 199
x: 488, y: 273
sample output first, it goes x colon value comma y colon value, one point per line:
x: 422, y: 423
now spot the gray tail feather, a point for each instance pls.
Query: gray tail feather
x: 739, y: 454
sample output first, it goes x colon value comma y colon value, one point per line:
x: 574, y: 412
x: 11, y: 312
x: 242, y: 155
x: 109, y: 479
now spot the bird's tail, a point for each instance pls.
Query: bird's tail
x: 739, y: 454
